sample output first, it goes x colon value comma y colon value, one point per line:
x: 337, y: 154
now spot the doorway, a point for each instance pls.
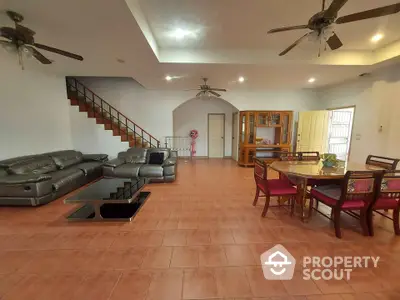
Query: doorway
x: 216, y: 135
x: 235, y: 133
x: 339, y: 134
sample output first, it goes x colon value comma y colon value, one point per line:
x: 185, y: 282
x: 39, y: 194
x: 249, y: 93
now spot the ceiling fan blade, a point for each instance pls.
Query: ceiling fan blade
x: 215, y: 93
x: 199, y: 94
x: 334, y: 8
x: 369, y: 14
x: 24, y: 30
x: 287, y: 28
x: 294, y: 44
x: 218, y: 90
x: 39, y: 56
x: 334, y: 42
x: 58, y: 51
x: 323, y: 5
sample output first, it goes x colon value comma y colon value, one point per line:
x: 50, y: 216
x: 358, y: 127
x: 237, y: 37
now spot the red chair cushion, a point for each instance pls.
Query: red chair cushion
x: 386, y: 203
x: 330, y: 195
x: 276, y: 187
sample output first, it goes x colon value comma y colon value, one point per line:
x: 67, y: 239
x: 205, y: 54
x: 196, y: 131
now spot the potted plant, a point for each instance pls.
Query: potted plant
x: 329, y: 159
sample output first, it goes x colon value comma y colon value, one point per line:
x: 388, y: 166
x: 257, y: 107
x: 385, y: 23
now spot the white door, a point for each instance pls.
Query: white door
x: 235, y: 132
x: 312, y: 132
x: 216, y: 135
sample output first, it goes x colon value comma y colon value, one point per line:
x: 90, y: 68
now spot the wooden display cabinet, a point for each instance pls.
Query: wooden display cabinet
x: 264, y: 134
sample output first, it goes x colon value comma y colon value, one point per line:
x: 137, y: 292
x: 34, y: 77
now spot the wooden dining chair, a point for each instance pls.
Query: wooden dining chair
x: 356, y: 193
x: 383, y: 162
x: 388, y: 197
x: 270, y: 187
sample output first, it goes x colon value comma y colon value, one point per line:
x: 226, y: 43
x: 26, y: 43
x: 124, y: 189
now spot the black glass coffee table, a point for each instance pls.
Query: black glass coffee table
x: 109, y: 199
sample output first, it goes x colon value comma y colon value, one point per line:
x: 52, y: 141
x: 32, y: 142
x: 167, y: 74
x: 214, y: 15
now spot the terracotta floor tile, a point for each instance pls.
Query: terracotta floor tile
x: 334, y: 286
x: 358, y: 296
x: 240, y: 255
x: 199, y: 284
x: 166, y: 285
x: 297, y: 286
x: 221, y: 236
x: 247, y: 236
x: 11, y: 261
x: 97, y: 285
x: 168, y: 224
x: 198, y: 237
x: 324, y: 297
x: 132, y: 285
x: 120, y: 259
x: 185, y: 257
x: 212, y: 256
x: 261, y: 287
x: 175, y: 237
x: 102, y: 240
x: 232, y: 282
x: 8, y: 281
x: 159, y: 257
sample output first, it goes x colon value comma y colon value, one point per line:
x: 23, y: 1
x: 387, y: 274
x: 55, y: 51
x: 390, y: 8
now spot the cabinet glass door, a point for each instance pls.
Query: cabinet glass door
x: 242, y: 128
x: 275, y: 119
x: 285, y: 136
x: 252, y: 119
x: 262, y: 119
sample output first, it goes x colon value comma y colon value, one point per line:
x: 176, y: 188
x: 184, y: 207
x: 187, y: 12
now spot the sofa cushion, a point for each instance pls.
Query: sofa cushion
x: 3, y: 172
x: 9, y: 162
x: 89, y: 167
x: 127, y: 171
x: 64, y: 159
x: 134, y: 155
x: 156, y: 158
x: 35, y: 165
x: 151, y: 171
x: 165, y: 151
x: 65, y: 177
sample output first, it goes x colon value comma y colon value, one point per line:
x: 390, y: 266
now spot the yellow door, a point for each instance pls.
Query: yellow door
x: 312, y: 131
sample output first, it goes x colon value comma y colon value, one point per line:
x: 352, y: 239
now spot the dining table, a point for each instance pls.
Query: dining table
x: 305, y: 173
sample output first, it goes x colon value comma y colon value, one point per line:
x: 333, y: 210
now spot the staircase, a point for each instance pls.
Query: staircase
x: 104, y: 113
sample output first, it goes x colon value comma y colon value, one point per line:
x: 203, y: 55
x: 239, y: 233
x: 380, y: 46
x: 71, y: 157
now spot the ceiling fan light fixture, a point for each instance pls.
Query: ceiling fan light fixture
x: 241, y: 79
x: 377, y: 37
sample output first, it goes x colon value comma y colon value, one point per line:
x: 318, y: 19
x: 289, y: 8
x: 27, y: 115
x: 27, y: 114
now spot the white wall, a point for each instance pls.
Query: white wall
x: 33, y: 111
x: 89, y: 137
x: 153, y: 109
x: 377, y: 104
x: 193, y: 114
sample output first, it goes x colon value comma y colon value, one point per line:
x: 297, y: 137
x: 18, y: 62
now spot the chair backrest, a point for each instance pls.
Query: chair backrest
x: 310, y: 156
x: 290, y: 156
x: 390, y: 185
x: 360, y: 185
x: 260, y: 170
x: 383, y: 162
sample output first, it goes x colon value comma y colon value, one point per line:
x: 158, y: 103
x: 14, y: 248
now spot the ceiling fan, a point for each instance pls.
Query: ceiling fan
x: 20, y: 40
x: 206, y: 90
x: 321, y: 23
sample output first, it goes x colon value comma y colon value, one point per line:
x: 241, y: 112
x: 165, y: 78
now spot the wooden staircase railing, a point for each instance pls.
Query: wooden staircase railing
x: 106, y: 114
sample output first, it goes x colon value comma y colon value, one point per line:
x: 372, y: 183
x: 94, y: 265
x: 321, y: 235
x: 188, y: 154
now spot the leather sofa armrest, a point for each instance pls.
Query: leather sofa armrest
x: 25, y: 178
x: 169, y: 162
x: 173, y: 154
x: 95, y: 157
x: 114, y: 162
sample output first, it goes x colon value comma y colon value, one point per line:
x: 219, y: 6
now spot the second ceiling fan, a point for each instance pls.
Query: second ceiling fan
x: 321, y: 22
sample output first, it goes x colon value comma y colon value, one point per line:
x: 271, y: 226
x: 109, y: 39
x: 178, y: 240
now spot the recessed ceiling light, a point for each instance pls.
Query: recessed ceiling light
x: 241, y: 79
x: 168, y: 78
x: 377, y: 37
x: 311, y: 80
x: 180, y: 34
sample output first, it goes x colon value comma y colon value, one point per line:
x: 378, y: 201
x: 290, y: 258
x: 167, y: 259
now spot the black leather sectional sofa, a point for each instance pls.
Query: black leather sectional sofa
x: 38, y: 179
x: 155, y: 164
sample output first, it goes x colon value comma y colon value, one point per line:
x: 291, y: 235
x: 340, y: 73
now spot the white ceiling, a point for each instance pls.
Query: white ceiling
x: 232, y: 41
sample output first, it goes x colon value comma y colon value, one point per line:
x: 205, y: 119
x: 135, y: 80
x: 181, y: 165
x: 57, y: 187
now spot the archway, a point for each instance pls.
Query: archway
x: 193, y: 114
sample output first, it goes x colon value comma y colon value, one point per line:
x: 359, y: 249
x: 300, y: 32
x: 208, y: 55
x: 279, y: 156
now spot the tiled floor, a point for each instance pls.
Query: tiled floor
x: 198, y: 238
